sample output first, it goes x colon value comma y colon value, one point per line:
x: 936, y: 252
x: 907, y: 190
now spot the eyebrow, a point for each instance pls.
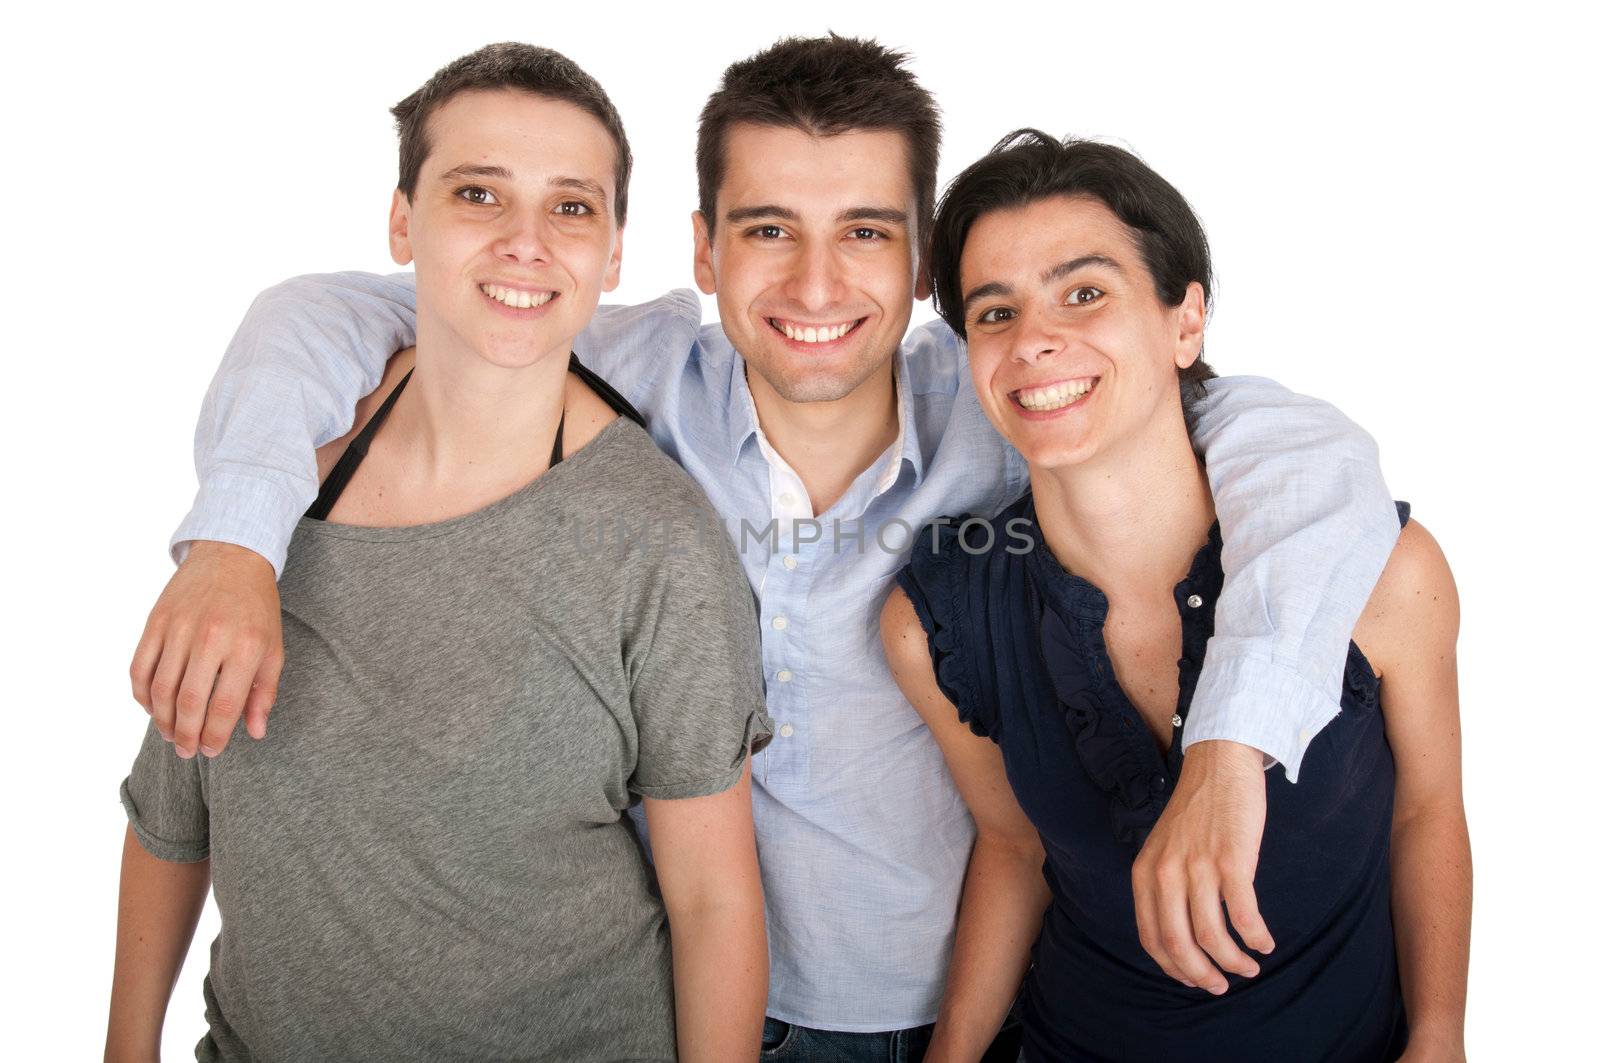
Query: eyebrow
x: 765, y: 210
x: 886, y: 215
x: 468, y: 170
x: 1054, y: 273
x: 500, y: 173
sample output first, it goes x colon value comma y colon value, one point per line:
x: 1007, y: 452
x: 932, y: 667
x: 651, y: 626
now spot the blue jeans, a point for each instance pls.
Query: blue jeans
x: 783, y: 1042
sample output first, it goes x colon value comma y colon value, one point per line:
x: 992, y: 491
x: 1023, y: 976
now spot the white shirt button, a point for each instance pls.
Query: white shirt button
x: 1195, y: 601
x: 785, y: 675
x: 790, y: 561
x: 786, y: 499
x: 787, y: 730
x: 779, y: 623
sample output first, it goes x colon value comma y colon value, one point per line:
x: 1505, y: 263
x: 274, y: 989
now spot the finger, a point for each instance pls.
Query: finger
x: 1210, y: 932
x: 146, y: 656
x: 227, y: 702
x: 1177, y: 935
x: 167, y: 680
x: 1148, y: 921
x: 1240, y: 895
x: 199, y: 678
x: 263, y: 692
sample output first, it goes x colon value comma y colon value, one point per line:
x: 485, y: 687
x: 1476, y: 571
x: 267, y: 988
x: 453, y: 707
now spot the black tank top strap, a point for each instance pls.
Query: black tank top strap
x: 356, y: 452
x: 610, y: 395
x: 353, y: 455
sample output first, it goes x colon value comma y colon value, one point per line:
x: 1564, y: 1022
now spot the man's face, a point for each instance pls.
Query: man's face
x: 511, y: 225
x: 813, y: 260
x: 1072, y: 351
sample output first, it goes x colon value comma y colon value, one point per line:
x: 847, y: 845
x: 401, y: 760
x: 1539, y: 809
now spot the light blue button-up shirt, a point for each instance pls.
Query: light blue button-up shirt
x: 863, y: 837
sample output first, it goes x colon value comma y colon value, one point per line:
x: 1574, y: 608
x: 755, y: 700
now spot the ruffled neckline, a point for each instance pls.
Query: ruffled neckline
x: 1114, y: 745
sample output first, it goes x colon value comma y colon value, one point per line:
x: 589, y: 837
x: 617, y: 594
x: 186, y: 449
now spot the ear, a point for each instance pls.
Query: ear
x: 400, y: 229
x: 613, y: 275
x: 704, y: 274
x: 1191, y: 325
x: 924, y: 283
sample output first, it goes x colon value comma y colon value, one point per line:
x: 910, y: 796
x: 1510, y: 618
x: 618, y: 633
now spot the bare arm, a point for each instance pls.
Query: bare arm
x: 1408, y: 633
x: 705, y: 858
x: 1004, y: 898
x: 156, y: 916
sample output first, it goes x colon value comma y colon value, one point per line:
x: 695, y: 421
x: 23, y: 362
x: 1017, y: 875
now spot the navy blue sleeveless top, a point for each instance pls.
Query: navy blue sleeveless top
x: 1018, y: 646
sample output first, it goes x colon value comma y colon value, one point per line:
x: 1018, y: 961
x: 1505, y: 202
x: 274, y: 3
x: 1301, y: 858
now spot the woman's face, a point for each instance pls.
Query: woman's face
x: 1072, y: 351
x: 511, y: 225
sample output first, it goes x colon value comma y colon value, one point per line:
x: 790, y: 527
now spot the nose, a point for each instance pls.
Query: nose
x: 817, y: 279
x: 523, y: 238
x: 1035, y: 339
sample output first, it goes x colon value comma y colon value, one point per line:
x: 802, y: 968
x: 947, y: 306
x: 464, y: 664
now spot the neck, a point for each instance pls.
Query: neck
x: 829, y: 444
x: 1131, y: 520
x: 463, y: 414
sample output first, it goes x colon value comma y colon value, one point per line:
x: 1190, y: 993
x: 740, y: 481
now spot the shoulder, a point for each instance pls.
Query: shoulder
x: 632, y: 346
x: 399, y: 365
x: 635, y: 473
x: 1414, y: 610
x: 935, y: 359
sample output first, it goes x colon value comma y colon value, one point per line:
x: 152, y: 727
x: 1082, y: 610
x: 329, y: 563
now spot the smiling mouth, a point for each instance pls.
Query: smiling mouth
x: 804, y: 333
x: 1056, y: 396
x: 516, y: 298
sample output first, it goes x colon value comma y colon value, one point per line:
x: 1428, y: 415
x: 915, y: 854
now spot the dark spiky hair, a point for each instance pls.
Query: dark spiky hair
x: 823, y: 86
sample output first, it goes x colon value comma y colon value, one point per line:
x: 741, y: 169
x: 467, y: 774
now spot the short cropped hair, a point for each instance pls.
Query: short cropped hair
x: 1027, y: 166
x: 509, y: 65
x: 823, y: 86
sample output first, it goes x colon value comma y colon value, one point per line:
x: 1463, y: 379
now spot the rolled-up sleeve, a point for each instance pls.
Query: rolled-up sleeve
x: 1308, y: 525
x: 305, y: 354
x: 165, y: 801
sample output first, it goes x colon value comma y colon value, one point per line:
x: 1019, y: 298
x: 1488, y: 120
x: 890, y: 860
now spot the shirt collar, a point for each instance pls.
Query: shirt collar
x: 744, y: 426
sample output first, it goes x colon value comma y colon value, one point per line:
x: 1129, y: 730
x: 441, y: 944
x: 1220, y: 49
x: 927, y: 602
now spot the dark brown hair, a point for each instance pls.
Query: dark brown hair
x: 823, y: 86
x: 508, y: 65
x: 1027, y: 166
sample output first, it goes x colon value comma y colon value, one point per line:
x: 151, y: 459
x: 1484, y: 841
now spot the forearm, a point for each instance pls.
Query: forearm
x: 1002, y: 906
x: 719, y: 977
x: 1307, y: 526
x: 306, y: 352
x: 157, y: 911
x: 1431, y: 874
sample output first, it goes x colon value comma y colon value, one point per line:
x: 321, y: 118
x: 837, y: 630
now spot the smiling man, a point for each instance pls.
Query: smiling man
x: 810, y: 406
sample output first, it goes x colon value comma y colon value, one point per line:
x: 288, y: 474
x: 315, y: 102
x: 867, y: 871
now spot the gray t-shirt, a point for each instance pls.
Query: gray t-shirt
x: 428, y: 857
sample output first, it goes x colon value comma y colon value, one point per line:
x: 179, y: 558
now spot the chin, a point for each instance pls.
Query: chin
x: 1052, y: 453
x: 520, y: 354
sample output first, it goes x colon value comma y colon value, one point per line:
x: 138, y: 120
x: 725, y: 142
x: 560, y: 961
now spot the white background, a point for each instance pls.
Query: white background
x: 1401, y: 203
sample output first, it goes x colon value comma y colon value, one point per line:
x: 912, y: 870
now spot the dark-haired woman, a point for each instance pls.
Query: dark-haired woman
x: 1057, y: 678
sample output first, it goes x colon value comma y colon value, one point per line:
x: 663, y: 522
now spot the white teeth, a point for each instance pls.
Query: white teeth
x: 516, y: 299
x: 1055, y: 396
x: 811, y: 333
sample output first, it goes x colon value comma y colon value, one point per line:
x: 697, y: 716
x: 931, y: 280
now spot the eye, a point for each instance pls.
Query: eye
x: 766, y: 232
x: 573, y: 208
x: 996, y: 315
x: 868, y: 234
x: 478, y: 195
x: 1083, y: 296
